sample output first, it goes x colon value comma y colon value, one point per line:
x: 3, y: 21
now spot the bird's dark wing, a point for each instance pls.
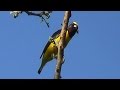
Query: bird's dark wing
x: 56, y: 34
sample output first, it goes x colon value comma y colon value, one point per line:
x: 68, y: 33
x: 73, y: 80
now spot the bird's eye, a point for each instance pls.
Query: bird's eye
x: 75, y: 26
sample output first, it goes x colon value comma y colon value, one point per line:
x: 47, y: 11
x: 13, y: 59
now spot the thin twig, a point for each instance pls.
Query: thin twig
x: 40, y: 15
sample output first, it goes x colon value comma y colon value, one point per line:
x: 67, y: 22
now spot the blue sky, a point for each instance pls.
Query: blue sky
x: 94, y: 53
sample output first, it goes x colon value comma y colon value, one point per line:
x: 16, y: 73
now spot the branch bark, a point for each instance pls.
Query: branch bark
x: 61, y: 45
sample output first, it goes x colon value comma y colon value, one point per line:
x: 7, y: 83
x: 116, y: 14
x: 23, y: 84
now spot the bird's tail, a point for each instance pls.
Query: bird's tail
x: 40, y: 69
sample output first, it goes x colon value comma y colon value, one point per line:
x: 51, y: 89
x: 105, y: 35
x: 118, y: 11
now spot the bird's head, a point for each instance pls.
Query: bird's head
x: 73, y: 28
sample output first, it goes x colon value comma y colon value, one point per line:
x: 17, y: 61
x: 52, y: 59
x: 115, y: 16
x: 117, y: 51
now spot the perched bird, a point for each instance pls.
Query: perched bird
x: 50, y: 50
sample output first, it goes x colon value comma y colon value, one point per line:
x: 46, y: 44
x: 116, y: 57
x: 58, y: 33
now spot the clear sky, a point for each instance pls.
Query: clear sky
x: 93, y: 53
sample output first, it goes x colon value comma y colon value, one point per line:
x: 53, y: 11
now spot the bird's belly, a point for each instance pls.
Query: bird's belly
x: 51, y: 50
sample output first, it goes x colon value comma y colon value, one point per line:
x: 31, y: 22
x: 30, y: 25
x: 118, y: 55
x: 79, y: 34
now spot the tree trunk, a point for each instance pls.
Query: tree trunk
x: 61, y: 45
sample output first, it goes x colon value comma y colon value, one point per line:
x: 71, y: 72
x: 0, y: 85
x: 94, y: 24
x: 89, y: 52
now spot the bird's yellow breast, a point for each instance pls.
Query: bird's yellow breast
x: 52, y: 49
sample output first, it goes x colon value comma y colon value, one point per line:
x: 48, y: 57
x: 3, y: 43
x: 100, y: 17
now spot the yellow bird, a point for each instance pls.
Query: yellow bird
x: 50, y: 51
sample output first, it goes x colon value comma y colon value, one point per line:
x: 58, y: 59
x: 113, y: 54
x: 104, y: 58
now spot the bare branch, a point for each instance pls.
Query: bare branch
x: 15, y: 13
x: 61, y: 45
x: 41, y: 14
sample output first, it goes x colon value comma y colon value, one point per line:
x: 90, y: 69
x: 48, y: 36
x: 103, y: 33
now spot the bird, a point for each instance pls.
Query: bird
x: 50, y: 50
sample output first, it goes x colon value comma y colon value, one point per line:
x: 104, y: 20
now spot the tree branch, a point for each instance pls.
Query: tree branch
x: 41, y: 14
x: 61, y: 45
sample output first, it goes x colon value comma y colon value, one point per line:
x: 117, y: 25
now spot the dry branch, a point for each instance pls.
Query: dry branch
x: 61, y: 45
x: 41, y: 14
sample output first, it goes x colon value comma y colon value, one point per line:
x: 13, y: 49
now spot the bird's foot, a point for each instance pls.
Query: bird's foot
x: 53, y: 55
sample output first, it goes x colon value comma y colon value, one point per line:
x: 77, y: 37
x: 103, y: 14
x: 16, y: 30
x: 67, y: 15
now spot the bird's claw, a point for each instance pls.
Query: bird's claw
x: 54, y: 56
